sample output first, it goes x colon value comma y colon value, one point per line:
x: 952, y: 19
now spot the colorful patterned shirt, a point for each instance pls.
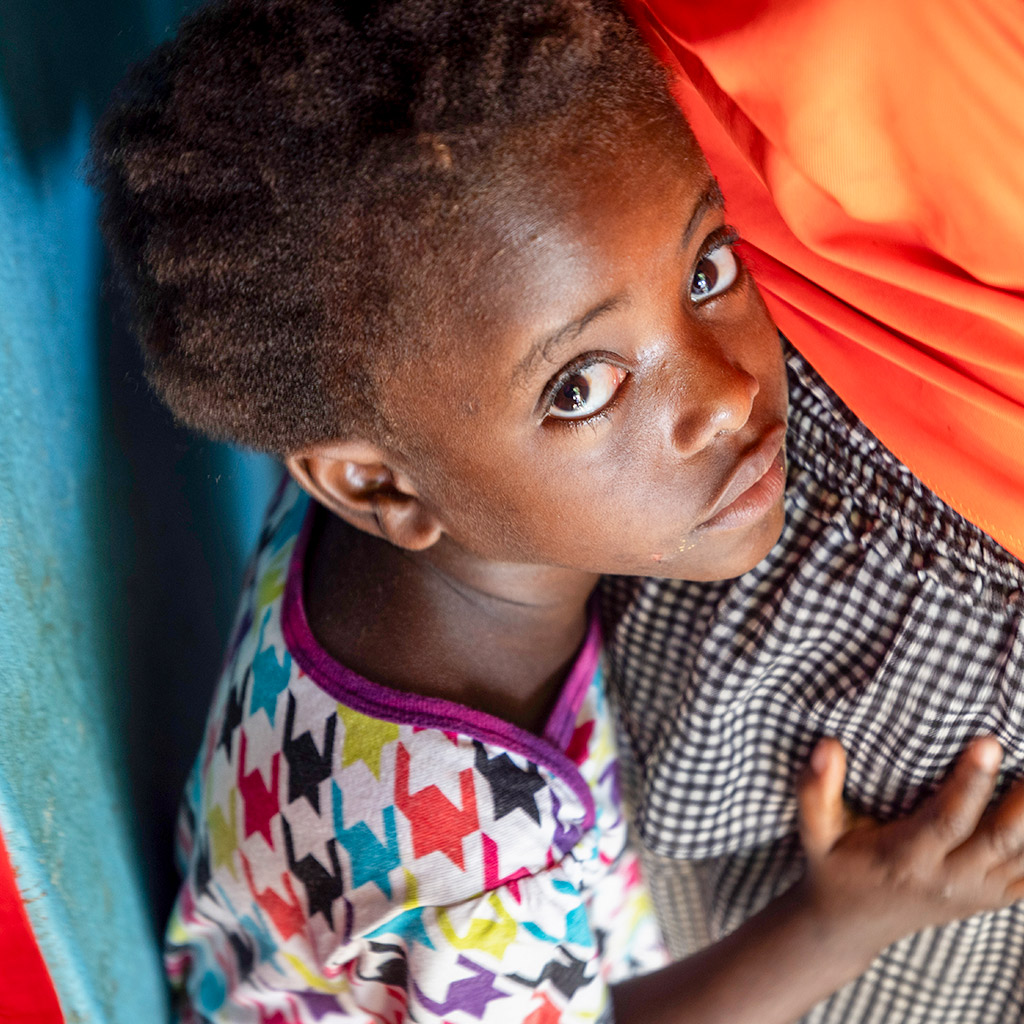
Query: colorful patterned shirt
x: 352, y: 852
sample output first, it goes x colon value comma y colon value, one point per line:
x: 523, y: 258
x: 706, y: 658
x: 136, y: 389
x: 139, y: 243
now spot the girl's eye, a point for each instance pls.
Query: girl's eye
x: 714, y: 273
x: 585, y: 391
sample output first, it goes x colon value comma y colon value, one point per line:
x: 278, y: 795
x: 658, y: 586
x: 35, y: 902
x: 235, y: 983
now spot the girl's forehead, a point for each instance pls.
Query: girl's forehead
x: 551, y: 241
x: 556, y: 184
x: 580, y: 222
x: 573, y: 171
x: 540, y: 268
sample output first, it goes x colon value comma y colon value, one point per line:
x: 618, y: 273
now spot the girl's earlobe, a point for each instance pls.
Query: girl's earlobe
x: 355, y: 481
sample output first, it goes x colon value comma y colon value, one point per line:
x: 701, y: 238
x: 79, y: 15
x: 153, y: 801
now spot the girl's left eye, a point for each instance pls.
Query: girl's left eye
x: 585, y: 391
x: 714, y: 273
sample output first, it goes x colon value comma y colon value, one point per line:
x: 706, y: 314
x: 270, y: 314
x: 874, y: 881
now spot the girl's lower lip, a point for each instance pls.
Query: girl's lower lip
x: 755, y: 502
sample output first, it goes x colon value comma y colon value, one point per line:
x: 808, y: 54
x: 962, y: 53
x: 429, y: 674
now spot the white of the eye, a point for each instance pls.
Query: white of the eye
x: 603, y: 381
x: 724, y: 261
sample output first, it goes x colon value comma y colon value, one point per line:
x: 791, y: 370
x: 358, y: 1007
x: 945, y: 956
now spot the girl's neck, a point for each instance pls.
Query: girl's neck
x: 498, y: 638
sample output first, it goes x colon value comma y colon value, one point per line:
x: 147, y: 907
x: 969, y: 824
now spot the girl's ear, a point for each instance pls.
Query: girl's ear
x: 356, y: 482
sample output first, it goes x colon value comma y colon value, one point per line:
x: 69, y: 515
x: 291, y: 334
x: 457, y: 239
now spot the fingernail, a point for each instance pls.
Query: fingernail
x: 819, y: 758
x: 988, y: 754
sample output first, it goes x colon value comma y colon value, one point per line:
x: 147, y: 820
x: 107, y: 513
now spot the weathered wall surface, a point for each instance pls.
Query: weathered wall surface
x: 121, y: 539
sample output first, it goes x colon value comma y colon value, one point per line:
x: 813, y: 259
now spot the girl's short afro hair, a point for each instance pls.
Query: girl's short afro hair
x: 263, y: 175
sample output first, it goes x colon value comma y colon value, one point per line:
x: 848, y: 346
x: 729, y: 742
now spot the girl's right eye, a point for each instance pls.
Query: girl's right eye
x: 584, y: 391
x: 715, y: 272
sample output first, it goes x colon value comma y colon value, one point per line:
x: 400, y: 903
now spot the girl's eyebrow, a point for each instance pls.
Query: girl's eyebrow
x: 545, y: 349
x: 710, y: 199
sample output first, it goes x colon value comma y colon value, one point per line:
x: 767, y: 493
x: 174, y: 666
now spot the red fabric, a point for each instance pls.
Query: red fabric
x: 872, y: 155
x: 27, y: 995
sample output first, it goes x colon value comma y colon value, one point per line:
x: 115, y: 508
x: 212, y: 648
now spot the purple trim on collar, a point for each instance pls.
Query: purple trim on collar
x: 377, y: 701
x: 562, y: 720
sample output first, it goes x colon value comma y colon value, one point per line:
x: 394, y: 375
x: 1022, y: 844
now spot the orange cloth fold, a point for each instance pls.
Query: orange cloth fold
x: 872, y: 156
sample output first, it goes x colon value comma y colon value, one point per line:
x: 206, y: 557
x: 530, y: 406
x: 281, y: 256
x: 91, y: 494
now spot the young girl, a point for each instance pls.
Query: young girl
x: 463, y: 267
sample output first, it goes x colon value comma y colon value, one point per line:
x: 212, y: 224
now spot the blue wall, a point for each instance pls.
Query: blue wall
x: 121, y: 539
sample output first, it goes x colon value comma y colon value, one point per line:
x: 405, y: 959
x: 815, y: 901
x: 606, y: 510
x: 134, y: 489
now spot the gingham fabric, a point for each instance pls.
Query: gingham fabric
x: 883, y: 618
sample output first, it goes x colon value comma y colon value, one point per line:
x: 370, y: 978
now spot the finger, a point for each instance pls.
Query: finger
x: 1006, y: 873
x: 1014, y: 892
x: 820, y: 798
x: 950, y: 817
x: 1002, y: 829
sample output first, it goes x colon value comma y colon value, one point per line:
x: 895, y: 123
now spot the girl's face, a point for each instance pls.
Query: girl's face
x: 607, y: 392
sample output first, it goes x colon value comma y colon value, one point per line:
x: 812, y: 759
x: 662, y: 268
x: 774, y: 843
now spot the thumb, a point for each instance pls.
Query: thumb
x: 820, y: 797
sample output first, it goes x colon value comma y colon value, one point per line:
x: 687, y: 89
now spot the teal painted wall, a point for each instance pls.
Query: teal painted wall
x: 121, y: 539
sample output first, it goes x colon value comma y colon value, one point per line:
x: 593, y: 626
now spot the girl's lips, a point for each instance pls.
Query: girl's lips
x: 755, y: 486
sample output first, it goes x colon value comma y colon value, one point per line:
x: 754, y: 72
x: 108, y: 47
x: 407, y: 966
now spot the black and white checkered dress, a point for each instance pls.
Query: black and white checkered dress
x: 883, y: 618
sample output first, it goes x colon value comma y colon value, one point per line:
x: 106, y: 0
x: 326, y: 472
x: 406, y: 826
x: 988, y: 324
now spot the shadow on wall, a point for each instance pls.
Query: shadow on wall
x: 195, y: 509
x: 178, y: 512
x: 58, y: 57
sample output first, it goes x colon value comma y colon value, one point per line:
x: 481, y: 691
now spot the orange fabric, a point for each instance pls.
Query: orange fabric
x: 27, y: 995
x: 871, y: 153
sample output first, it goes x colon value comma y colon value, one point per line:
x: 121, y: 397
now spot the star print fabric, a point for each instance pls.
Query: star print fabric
x: 352, y: 853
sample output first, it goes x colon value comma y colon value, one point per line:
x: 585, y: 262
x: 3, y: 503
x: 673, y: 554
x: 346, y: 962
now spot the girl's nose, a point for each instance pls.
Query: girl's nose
x: 718, y: 399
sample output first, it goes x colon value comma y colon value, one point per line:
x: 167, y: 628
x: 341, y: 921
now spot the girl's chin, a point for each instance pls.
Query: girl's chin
x: 723, y: 554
